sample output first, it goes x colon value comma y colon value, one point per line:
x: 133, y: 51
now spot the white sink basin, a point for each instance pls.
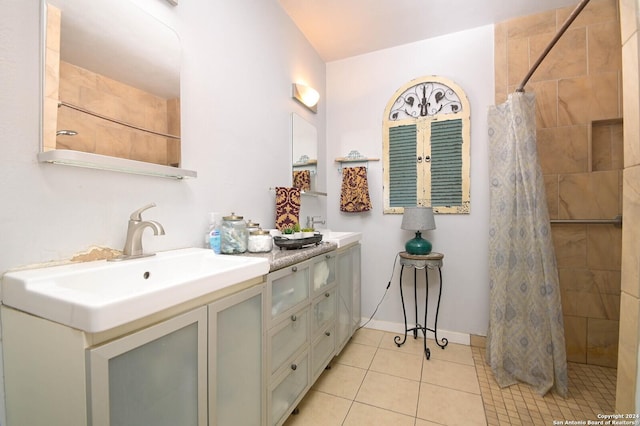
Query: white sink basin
x: 340, y: 238
x: 97, y: 296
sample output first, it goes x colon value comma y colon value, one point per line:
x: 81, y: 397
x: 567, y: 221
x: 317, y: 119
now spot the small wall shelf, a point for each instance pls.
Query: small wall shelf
x: 351, y: 158
x: 355, y: 160
x: 305, y: 163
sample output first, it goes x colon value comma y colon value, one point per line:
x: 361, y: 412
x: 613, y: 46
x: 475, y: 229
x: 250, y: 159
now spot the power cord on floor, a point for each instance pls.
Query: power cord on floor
x: 385, y: 293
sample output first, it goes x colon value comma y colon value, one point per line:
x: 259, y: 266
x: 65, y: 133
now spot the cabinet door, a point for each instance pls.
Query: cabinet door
x: 287, y: 289
x: 323, y: 310
x: 356, y: 276
x: 156, y: 376
x: 321, y: 351
x: 287, y: 338
x: 236, y: 383
x: 288, y: 389
x: 323, y: 272
x: 344, y: 318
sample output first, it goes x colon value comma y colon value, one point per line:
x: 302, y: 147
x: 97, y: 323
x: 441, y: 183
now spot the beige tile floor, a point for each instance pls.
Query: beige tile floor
x: 373, y: 382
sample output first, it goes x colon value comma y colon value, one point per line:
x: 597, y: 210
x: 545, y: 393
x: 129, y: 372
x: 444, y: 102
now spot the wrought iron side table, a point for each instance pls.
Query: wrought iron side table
x: 428, y: 261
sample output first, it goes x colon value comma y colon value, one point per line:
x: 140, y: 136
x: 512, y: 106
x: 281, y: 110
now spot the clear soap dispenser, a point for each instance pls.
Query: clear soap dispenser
x: 212, y: 237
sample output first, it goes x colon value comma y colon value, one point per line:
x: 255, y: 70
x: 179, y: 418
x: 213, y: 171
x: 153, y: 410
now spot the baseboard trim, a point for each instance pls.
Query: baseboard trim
x: 394, y: 327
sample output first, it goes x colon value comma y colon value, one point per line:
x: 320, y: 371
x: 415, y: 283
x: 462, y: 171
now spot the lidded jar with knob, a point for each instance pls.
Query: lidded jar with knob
x: 233, y: 234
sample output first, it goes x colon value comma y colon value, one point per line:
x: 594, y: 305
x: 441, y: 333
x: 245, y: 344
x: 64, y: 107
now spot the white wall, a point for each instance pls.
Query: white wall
x: 358, y: 90
x: 239, y: 60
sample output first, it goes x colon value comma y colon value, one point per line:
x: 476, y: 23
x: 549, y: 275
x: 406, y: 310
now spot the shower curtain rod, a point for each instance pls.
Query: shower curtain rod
x: 553, y: 42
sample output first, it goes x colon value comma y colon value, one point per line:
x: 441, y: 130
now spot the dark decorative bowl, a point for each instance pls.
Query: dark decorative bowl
x: 296, y: 243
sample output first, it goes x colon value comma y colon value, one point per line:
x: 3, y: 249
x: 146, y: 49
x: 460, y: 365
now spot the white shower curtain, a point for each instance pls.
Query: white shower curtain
x: 525, y: 341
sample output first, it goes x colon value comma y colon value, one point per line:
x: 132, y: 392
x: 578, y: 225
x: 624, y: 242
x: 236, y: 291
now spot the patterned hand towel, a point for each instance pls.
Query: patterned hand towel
x: 287, y: 207
x: 302, y: 180
x: 355, y: 190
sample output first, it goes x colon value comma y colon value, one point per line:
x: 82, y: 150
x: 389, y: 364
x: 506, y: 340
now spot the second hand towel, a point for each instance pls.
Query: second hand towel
x: 354, y: 197
x: 302, y: 180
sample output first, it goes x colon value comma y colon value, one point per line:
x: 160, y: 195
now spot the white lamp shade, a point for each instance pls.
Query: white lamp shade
x: 418, y: 219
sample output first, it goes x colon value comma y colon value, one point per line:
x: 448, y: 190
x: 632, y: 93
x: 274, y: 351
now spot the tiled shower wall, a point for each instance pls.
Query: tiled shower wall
x: 580, y: 146
x: 627, y: 384
x: 118, y: 101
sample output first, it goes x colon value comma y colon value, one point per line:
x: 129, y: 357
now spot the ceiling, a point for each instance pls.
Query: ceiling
x: 339, y: 29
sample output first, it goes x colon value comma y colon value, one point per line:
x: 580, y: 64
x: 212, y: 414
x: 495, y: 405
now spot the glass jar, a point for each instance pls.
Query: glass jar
x: 233, y: 235
x: 252, y: 226
x: 260, y: 241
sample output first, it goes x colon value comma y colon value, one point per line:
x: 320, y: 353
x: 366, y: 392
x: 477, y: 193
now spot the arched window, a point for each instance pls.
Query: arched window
x: 426, y: 138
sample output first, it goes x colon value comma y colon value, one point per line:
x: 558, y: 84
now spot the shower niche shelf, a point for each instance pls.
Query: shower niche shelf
x: 606, y: 145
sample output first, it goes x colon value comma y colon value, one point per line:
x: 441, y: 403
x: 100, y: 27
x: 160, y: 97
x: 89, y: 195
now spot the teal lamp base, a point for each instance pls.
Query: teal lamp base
x: 418, y: 245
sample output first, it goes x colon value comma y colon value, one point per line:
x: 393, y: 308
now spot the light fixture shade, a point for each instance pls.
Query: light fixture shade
x: 418, y: 219
x: 306, y: 95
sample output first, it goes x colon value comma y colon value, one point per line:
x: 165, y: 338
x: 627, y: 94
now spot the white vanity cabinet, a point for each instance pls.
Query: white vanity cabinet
x: 245, y: 355
x: 59, y: 376
x: 236, y: 361
x: 200, y: 363
x: 301, y: 302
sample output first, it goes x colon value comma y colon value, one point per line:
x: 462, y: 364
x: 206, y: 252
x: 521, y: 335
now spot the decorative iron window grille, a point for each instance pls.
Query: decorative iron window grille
x: 424, y: 100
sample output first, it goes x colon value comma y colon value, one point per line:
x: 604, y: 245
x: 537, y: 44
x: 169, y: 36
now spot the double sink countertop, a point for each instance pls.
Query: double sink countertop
x: 281, y: 258
x: 100, y: 295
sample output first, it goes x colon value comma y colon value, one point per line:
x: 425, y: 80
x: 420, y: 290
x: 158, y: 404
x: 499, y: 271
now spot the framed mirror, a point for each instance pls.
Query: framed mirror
x: 111, y: 88
x: 304, y: 148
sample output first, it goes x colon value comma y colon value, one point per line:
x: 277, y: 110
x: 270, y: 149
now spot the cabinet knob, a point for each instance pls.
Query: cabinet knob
x: 328, y: 256
x: 294, y: 318
x: 294, y: 367
x: 327, y: 295
x: 294, y: 269
x: 327, y: 333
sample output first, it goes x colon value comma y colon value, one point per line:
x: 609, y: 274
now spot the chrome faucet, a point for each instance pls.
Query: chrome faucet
x: 133, y: 245
x: 311, y: 221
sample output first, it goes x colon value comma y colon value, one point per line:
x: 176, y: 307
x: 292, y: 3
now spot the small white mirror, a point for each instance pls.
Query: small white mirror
x: 111, y: 88
x: 304, y: 144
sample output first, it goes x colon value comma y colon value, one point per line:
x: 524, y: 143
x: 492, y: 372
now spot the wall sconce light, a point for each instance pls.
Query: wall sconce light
x: 306, y: 95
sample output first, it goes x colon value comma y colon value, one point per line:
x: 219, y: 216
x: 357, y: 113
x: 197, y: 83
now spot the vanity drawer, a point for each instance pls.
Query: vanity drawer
x: 288, y: 287
x: 322, y: 350
x: 323, y: 310
x: 288, y: 389
x: 287, y: 337
x: 323, y: 272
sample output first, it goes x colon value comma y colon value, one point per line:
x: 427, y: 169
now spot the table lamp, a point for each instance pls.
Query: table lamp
x: 418, y: 219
